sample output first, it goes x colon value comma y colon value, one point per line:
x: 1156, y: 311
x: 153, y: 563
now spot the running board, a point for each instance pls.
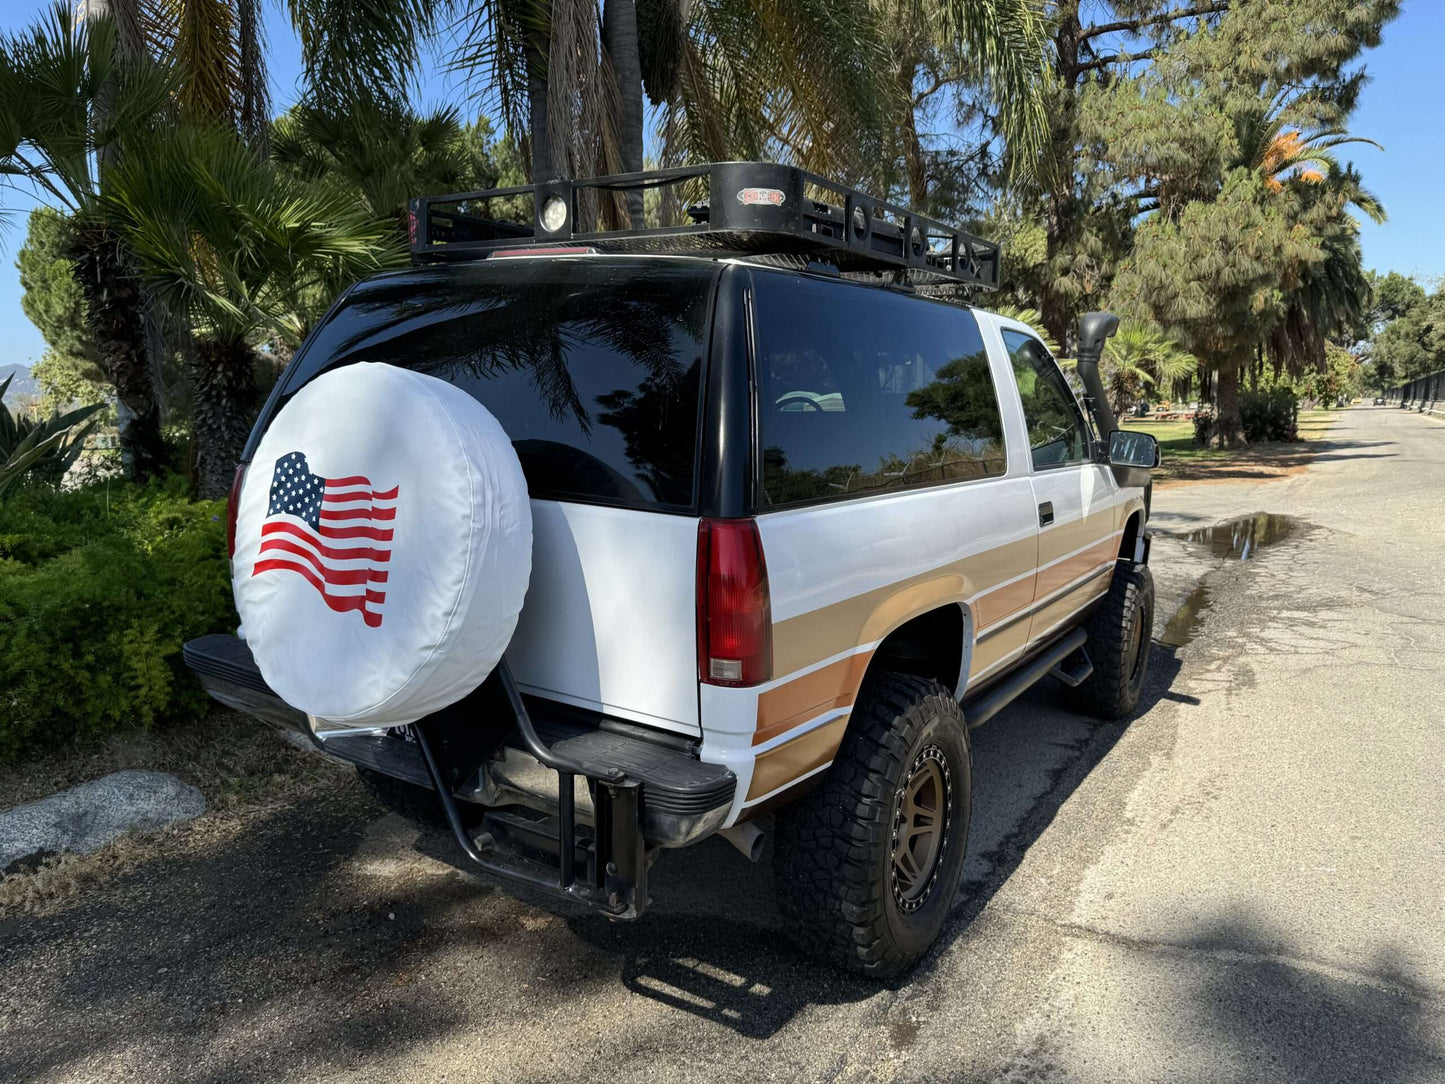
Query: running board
x: 1074, y: 676
x: 1030, y: 673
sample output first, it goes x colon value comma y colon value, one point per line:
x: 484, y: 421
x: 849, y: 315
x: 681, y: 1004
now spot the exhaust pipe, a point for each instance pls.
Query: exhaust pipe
x: 1094, y: 329
x: 746, y: 838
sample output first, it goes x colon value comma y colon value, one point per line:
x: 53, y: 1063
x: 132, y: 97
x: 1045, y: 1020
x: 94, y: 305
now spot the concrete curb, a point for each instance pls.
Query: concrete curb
x: 90, y: 815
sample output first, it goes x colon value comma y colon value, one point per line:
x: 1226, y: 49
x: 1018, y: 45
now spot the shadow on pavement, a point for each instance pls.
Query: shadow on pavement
x: 1296, y: 1021
x: 274, y: 950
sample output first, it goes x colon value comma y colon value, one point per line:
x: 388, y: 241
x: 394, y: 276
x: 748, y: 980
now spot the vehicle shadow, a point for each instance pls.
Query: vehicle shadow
x: 713, y: 945
x: 311, y: 934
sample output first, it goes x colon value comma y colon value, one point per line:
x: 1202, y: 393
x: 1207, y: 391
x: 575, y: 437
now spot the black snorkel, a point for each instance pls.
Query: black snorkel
x: 1094, y: 329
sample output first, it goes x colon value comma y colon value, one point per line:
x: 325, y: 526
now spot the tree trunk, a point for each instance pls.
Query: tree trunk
x: 538, y: 43
x: 913, y: 159
x: 1228, y: 425
x: 223, y: 396
x: 619, y: 39
x: 254, y: 119
x: 115, y: 312
x: 1061, y: 209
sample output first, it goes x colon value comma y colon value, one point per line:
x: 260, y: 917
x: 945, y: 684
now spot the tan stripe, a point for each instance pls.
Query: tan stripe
x: 1063, y: 538
x: 795, y: 702
x: 797, y: 757
x: 997, y: 646
x: 1003, y: 602
x: 1061, y: 608
x: 804, y: 640
x: 1070, y: 569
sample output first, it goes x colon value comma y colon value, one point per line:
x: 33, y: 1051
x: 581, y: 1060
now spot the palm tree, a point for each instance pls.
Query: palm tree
x: 1282, y: 150
x: 1297, y: 163
x: 825, y: 83
x: 71, y: 100
x: 244, y: 252
x: 1137, y: 358
x: 1331, y: 295
x: 935, y: 45
x: 386, y: 154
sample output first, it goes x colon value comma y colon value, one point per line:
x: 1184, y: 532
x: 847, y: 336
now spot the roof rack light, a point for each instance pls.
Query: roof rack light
x: 729, y: 209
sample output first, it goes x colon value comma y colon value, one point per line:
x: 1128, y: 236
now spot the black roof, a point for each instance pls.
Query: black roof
x: 749, y: 209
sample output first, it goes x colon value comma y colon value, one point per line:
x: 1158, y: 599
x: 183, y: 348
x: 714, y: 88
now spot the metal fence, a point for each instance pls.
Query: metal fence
x: 1425, y: 394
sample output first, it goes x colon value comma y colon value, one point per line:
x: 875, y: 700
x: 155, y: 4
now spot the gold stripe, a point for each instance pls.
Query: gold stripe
x: 797, y: 757
x: 795, y: 702
x: 801, y: 641
x: 1062, y: 607
x: 1070, y: 569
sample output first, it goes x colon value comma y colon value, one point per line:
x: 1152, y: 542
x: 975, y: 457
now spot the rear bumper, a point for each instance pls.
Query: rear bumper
x: 682, y: 799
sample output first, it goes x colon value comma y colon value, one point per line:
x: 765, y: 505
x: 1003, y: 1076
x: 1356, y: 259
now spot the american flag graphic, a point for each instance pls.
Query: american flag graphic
x: 334, y: 532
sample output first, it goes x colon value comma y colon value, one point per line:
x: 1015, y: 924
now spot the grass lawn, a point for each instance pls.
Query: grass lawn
x: 1183, y: 462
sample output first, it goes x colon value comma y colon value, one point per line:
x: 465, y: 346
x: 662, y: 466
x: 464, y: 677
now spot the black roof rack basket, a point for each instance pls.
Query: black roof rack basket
x: 736, y: 209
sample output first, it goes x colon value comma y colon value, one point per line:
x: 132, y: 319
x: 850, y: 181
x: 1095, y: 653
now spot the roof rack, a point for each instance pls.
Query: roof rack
x: 735, y: 208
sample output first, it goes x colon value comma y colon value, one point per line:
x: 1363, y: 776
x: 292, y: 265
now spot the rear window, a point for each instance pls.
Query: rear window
x: 862, y: 390
x: 593, y: 366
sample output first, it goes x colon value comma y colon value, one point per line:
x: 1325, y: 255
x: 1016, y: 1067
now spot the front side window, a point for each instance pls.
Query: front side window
x: 862, y: 390
x: 1057, y: 434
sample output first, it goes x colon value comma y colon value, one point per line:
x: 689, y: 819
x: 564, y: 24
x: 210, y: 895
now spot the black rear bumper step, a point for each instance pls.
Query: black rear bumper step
x: 675, y: 783
x: 225, y: 657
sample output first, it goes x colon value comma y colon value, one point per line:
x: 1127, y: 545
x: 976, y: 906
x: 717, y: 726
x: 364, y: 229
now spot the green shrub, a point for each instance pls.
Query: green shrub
x: 1270, y: 414
x: 99, y: 588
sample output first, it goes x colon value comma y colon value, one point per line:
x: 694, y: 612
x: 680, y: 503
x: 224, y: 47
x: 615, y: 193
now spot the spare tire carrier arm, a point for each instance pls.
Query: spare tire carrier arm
x: 621, y: 869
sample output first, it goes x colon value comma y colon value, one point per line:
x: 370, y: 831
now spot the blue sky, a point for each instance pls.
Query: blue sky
x: 1401, y: 109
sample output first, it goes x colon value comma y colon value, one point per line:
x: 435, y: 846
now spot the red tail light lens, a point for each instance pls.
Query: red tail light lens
x: 734, y: 615
x: 233, y: 504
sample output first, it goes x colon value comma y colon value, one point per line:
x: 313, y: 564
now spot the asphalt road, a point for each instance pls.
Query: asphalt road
x: 1246, y: 883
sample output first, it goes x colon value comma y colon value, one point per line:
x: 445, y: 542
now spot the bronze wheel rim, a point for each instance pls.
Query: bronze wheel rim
x: 921, y: 815
x: 1139, y: 644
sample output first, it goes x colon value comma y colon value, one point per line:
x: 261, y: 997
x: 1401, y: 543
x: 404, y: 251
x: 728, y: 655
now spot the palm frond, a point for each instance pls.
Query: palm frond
x: 233, y: 244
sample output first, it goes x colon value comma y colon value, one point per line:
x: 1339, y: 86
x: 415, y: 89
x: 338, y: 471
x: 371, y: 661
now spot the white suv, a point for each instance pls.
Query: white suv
x: 796, y: 528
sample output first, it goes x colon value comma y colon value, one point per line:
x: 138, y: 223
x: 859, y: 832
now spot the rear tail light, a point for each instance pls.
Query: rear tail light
x: 233, y: 504
x: 734, y: 615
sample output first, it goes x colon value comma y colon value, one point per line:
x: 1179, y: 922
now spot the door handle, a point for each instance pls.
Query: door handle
x: 1046, y: 513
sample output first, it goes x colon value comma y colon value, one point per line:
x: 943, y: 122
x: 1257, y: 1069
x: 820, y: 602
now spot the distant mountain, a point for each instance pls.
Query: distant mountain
x: 24, y: 386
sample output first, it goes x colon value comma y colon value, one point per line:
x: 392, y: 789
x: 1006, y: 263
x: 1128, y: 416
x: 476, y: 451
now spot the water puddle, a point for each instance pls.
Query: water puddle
x: 1242, y: 538
x: 1239, y: 539
x: 1185, y: 623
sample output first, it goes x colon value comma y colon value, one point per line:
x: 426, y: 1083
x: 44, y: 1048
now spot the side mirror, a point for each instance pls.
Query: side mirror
x: 1132, y: 455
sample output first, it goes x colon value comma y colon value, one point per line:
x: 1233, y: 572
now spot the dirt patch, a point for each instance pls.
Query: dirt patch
x: 1263, y: 463
x: 244, y: 768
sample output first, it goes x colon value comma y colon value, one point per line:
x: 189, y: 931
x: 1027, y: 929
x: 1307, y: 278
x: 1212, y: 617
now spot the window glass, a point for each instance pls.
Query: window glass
x: 591, y: 365
x: 861, y: 389
x: 1057, y: 434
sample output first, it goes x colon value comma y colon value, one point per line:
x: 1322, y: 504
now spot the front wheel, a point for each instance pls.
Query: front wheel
x: 1121, y: 632
x: 867, y: 866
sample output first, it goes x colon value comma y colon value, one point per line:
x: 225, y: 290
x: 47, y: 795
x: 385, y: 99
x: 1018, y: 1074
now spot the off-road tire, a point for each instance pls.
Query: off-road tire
x: 833, y: 865
x: 1121, y: 631
x: 415, y: 803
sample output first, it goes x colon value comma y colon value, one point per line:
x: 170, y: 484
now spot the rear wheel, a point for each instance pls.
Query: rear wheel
x: 867, y: 866
x: 1121, y: 632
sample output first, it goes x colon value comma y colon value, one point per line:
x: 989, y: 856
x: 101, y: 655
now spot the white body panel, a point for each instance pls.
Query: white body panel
x: 610, y: 618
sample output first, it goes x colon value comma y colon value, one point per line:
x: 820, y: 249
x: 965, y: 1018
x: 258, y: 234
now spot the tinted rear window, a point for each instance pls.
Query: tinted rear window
x: 862, y: 390
x: 593, y: 366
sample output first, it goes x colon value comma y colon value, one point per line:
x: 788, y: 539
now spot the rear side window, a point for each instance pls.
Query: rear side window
x: 862, y: 390
x: 593, y: 366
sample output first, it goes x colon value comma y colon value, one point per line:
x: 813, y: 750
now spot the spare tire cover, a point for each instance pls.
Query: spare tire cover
x: 383, y: 546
